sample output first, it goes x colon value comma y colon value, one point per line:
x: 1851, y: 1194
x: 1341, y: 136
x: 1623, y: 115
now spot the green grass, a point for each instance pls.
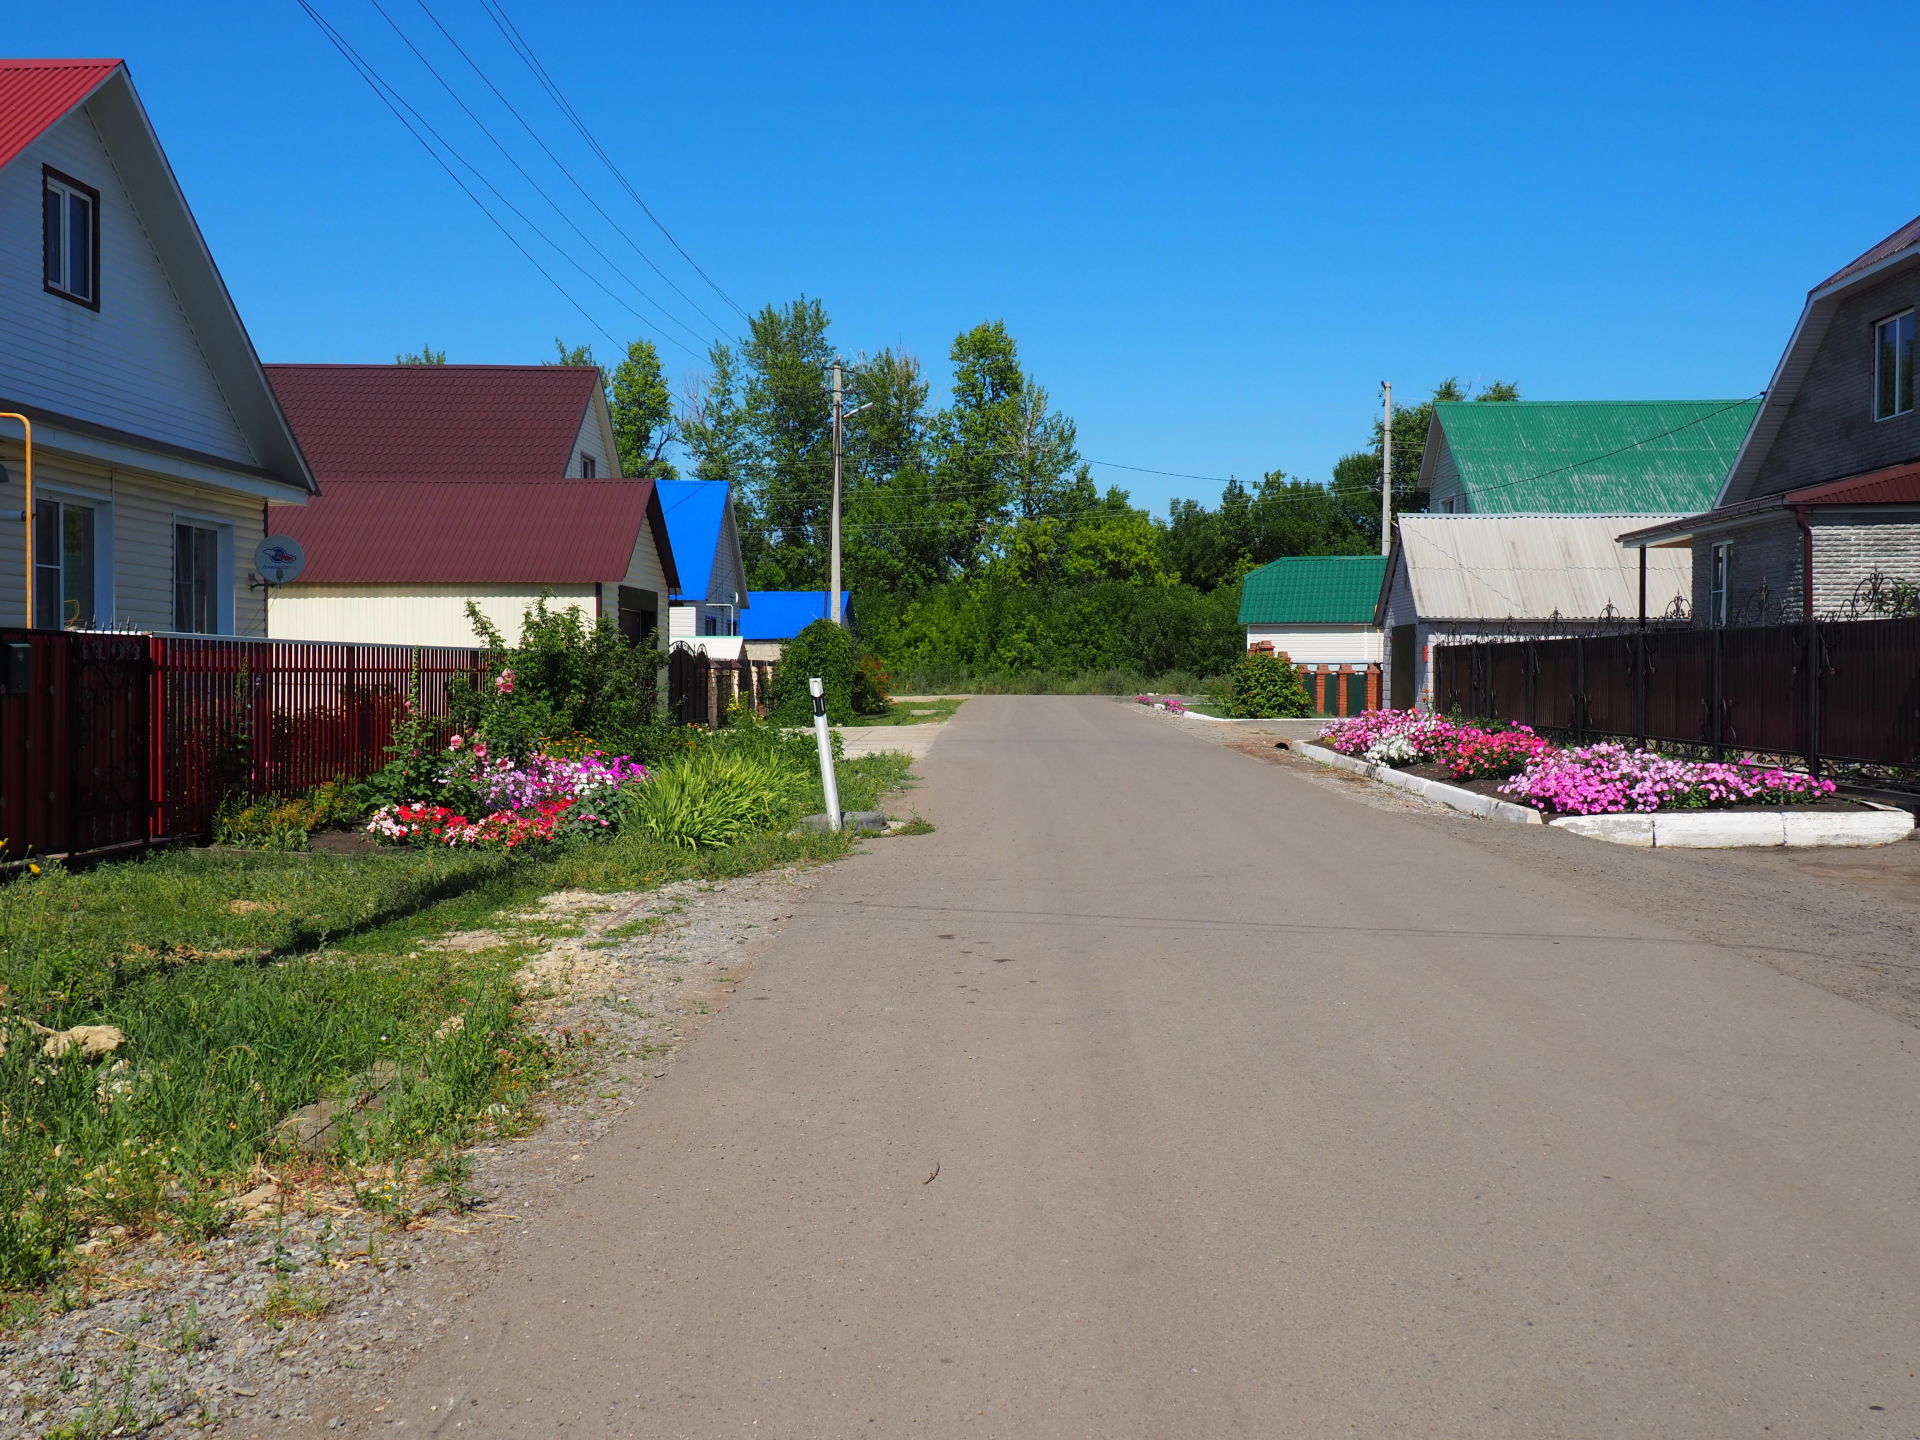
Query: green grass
x: 913, y: 712
x: 249, y: 984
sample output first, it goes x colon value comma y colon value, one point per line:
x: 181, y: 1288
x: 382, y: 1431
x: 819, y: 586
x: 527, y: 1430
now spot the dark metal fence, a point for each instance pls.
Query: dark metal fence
x: 1828, y: 691
x: 702, y: 687
x: 109, y: 740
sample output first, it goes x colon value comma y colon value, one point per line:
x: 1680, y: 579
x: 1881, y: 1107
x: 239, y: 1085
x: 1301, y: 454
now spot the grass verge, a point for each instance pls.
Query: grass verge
x: 913, y: 712
x: 248, y: 985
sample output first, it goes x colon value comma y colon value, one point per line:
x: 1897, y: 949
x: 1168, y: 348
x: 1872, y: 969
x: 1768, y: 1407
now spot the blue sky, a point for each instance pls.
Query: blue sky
x: 1214, y: 229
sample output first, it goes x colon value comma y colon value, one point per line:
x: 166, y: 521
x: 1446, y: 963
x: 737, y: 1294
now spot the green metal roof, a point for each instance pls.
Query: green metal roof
x: 1313, y: 590
x: 1593, y: 457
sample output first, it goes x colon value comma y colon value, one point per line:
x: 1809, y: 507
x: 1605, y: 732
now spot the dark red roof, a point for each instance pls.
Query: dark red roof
x: 1908, y: 234
x: 1895, y: 485
x: 502, y: 422
x: 34, y: 94
x: 475, y: 532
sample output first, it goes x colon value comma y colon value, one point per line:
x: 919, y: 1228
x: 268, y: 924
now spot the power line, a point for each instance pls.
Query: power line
x: 497, y: 11
x: 352, y: 58
x: 538, y: 189
x: 560, y: 165
x: 396, y: 102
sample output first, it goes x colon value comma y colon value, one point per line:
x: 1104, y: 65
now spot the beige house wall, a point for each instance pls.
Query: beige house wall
x: 134, y: 516
x: 396, y: 614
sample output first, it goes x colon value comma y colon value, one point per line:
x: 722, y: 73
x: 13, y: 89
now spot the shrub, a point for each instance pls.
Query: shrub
x: 1266, y: 687
x: 830, y: 652
x: 568, y: 676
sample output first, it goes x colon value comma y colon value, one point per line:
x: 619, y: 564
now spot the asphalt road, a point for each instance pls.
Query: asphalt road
x: 1255, y: 1111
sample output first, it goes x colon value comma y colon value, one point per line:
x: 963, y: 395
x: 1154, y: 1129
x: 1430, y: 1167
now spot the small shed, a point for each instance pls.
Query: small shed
x: 706, y: 606
x: 1318, y: 610
x: 1499, y: 577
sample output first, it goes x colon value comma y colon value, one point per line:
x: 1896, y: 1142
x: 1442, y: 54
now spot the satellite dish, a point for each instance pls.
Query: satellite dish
x: 278, y: 559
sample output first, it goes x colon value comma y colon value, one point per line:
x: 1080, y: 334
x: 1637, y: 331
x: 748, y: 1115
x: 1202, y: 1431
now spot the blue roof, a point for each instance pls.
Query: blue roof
x: 696, y: 512
x: 783, y: 614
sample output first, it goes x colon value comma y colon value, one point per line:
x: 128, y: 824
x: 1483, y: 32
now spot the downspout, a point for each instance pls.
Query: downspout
x: 1806, y: 561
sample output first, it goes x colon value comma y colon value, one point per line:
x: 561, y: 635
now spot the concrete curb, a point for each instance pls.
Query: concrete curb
x: 1471, y: 802
x: 1684, y: 830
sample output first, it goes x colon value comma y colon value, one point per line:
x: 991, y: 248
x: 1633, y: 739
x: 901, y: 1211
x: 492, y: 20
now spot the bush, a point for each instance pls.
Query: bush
x: 568, y: 676
x: 830, y: 652
x: 1267, y: 687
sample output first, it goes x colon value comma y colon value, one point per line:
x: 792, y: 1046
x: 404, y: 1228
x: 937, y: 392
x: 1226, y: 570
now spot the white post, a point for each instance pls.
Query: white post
x: 833, y: 565
x: 821, y: 733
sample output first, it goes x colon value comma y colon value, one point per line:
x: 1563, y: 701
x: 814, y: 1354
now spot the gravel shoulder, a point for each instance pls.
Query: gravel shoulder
x: 311, y: 1293
x: 1845, y: 920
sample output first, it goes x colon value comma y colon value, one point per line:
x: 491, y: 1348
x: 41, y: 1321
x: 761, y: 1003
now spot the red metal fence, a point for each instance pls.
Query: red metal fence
x: 1841, y: 691
x: 110, y: 740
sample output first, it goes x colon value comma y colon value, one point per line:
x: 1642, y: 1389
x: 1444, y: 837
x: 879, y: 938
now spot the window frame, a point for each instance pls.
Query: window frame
x: 102, y: 558
x: 589, y: 467
x: 1719, y: 581
x: 56, y: 181
x: 1913, y: 318
x: 223, y: 565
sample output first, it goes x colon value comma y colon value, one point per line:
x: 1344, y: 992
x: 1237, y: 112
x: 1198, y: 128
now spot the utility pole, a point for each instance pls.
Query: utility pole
x: 833, y: 565
x: 1386, y: 472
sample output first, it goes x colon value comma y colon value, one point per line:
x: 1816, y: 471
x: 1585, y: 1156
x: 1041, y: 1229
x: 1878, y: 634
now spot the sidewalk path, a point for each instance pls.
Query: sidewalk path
x: 1164, y: 1094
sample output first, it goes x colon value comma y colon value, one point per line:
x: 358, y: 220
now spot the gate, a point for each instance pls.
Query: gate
x: 74, y: 741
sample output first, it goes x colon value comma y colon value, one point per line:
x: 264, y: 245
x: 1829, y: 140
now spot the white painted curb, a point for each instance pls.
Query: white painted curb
x: 1682, y: 830
x: 1467, y: 800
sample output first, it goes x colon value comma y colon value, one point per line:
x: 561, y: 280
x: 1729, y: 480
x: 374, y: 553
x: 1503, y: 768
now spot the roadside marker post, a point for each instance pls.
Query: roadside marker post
x: 828, y: 782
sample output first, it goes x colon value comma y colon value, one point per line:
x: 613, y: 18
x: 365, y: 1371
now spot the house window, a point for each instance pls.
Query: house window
x: 587, y: 466
x: 1719, y: 582
x: 1893, y: 366
x: 196, y: 579
x: 70, y: 238
x: 65, y: 561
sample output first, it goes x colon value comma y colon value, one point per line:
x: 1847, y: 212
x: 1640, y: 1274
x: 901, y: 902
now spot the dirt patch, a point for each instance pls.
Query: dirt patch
x: 325, y: 1283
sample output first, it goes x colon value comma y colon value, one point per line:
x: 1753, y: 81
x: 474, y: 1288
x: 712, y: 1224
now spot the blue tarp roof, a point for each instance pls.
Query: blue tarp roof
x: 783, y: 614
x: 696, y: 511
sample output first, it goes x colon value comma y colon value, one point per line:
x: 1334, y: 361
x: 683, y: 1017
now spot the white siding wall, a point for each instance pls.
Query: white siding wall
x: 1320, y: 644
x: 134, y: 364
x: 595, y: 439
x: 134, y: 516
x: 409, y: 614
x: 1445, y: 480
x: 644, y: 572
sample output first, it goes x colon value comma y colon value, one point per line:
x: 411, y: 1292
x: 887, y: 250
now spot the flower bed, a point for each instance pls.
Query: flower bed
x: 516, y: 802
x: 1606, y: 779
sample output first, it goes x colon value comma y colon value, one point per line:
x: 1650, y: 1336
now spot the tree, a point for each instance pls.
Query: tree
x: 571, y: 354
x: 787, y: 480
x: 1358, y: 474
x: 713, y: 424
x: 899, y: 530
x: 425, y: 355
x: 642, y: 411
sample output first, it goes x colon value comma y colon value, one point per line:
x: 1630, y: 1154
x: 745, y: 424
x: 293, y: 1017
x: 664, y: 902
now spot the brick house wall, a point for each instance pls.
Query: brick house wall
x: 1765, y: 555
x: 1768, y: 554
x: 1829, y: 431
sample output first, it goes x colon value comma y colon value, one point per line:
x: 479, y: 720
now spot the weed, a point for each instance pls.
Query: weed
x: 286, y: 1301
x: 915, y: 826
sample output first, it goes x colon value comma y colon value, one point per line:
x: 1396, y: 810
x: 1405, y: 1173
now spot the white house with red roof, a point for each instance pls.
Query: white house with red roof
x: 158, y: 443
x: 444, y: 485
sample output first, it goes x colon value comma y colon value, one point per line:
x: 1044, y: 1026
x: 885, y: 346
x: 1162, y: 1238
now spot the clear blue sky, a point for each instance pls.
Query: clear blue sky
x: 1214, y: 229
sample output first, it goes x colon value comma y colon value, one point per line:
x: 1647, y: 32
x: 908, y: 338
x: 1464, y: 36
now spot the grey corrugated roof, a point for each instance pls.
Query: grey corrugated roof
x: 1534, y: 567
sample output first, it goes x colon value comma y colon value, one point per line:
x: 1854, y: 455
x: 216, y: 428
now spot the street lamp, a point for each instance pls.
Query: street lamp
x: 26, y: 514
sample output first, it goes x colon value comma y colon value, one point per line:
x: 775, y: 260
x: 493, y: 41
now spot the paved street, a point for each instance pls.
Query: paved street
x: 1162, y: 1093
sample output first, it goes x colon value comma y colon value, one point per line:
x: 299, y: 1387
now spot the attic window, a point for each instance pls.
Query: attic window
x: 1893, y: 366
x: 70, y: 238
x: 587, y: 467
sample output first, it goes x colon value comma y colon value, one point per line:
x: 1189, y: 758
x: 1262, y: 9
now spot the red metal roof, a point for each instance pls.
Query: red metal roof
x: 1895, y: 485
x: 1908, y: 234
x: 502, y: 422
x: 35, y: 94
x: 435, y: 531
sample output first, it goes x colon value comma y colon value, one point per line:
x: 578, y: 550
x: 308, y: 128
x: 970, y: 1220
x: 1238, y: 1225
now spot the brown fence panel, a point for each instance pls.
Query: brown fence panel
x: 1870, y: 691
x: 1679, y: 685
x: 1610, y: 661
x: 1763, y: 689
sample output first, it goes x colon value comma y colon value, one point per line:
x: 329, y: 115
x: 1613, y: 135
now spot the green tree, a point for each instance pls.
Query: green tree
x: 713, y: 425
x: 566, y: 354
x: 788, y: 476
x: 642, y: 411
x: 425, y: 355
x: 830, y: 652
x: 1356, y: 477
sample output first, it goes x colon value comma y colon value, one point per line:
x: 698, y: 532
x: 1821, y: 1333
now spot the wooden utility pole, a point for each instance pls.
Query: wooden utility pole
x: 833, y: 565
x: 1386, y: 472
